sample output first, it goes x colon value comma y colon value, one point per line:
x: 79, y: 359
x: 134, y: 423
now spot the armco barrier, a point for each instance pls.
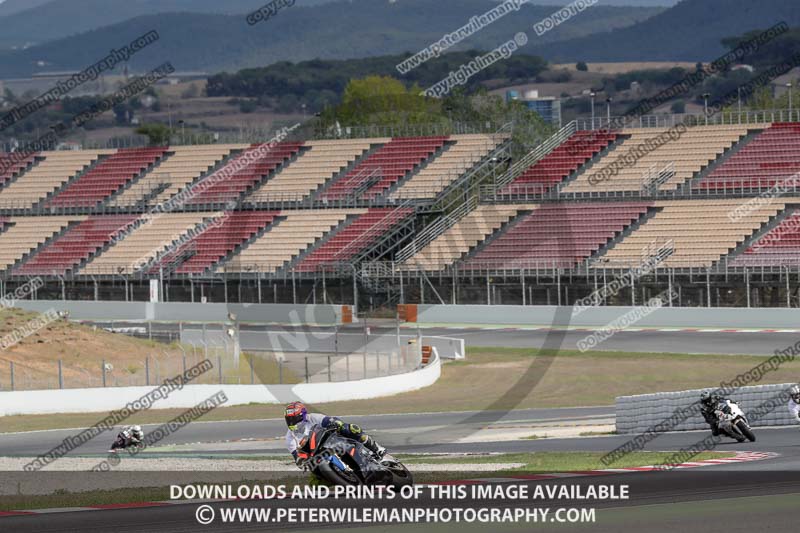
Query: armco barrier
x: 543, y: 315
x: 637, y: 414
x: 194, y: 312
x: 83, y: 400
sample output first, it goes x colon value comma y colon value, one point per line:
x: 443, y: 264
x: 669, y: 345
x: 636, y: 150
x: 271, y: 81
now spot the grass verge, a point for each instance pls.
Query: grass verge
x: 547, y: 462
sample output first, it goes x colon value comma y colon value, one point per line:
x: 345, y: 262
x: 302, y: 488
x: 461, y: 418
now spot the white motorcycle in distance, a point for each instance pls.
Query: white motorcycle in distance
x: 732, y: 421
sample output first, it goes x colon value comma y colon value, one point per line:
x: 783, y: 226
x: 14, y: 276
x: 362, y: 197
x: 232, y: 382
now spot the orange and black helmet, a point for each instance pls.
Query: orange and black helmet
x: 295, y: 413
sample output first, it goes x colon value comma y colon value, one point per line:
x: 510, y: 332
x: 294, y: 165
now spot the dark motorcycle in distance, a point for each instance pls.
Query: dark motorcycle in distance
x: 123, y: 444
x: 343, y: 461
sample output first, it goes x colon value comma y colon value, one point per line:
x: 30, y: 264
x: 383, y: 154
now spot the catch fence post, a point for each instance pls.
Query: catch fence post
x: 12, y: 375
x: 306, y: 360
x: 147, y: 371
x: 60, y: 375
x: 103, y: 371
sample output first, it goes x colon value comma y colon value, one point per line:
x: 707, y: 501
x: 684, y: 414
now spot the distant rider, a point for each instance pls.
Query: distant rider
x: 794, y: 402
x: 298, y: 419
x: 129, y: 436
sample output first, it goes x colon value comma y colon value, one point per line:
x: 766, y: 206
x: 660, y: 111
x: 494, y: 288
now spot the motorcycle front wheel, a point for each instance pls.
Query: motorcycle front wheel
x: 400, y: 474
x: 336, y: 476
x: 746, y: 431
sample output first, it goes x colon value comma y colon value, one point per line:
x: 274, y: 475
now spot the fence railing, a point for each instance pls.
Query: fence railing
x: 667, y: 120
x: 432, y: 231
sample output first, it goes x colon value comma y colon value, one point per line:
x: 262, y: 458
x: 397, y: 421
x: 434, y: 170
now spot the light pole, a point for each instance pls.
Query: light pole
x: 183, y: 131
x: 592, y: 94
x: 739, y: 99
x: 705, y: 105
x: 608, y: 111
x: 789, y: 86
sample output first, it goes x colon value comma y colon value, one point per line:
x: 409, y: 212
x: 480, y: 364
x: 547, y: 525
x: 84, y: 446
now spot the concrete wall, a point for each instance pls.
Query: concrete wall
x: 542, y: 315
x: 107, y: 399
x: 191, y: 312
x: 636, y: 414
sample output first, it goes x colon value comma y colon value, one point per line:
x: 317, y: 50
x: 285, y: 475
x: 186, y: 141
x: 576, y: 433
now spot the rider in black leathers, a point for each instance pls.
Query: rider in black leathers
x: 708, y: 404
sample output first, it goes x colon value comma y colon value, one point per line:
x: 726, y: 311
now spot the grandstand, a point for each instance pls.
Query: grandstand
x: 385, y: 209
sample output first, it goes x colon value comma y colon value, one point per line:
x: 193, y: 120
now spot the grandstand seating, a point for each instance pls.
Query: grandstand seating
x: 308, y: 173
x: 13, y: 166
x: 779, y: 247
x: 51, y: 173
x: 77, y: 244
x: 182, y: 167
x: 467, y: 151
x: 601, y: 232
x: 384, y: 167
x: 22, y: 235
x: 465, y: 234
x: 769, y: 158
x: 702, y: 231
x: 214, y: 241
x: 556, y: 235
x: 565, y: 159
x: 242, y: 172
x: 152, y: 235
x: 287, y: 239
x: 106, y: 177
x: 689, y: 153
x: 354, y: 237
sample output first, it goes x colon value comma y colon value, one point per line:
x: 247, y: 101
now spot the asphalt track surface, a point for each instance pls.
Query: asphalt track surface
x: 648, y: 341
x: 735, y: 497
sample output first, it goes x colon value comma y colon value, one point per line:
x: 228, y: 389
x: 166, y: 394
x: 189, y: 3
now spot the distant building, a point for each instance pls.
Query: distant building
x: 548, y: 107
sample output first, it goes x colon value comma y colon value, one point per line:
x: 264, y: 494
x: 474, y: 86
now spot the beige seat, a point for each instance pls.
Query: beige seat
x: 287, y: 239
x: 686, y: 155
x: 448, y: 166
x: 142, y: 244
x: 27, y: 233
x: 57, y: 168
x: 186, y: 164
x: 312, y: 169
x: 701, y: 231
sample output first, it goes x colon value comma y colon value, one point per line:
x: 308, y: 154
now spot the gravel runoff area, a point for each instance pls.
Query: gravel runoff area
x: 184, y: 464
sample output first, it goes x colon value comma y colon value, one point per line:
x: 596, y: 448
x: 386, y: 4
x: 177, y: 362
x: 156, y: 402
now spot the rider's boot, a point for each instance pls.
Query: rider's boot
x: 372, y: 445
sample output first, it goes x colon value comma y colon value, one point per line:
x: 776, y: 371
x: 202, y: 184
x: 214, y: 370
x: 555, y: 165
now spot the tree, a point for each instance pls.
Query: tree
x: 581, y: 66
x: 383, y: 100
x: 678, y: 107
x: 158, y: 134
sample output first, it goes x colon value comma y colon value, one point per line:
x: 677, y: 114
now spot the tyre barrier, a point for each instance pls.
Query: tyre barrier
x: 764, y: 405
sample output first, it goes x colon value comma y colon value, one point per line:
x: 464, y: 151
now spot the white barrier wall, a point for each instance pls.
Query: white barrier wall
x: 542, y: 315
x: 637, y: 414
x: 114, y: 398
